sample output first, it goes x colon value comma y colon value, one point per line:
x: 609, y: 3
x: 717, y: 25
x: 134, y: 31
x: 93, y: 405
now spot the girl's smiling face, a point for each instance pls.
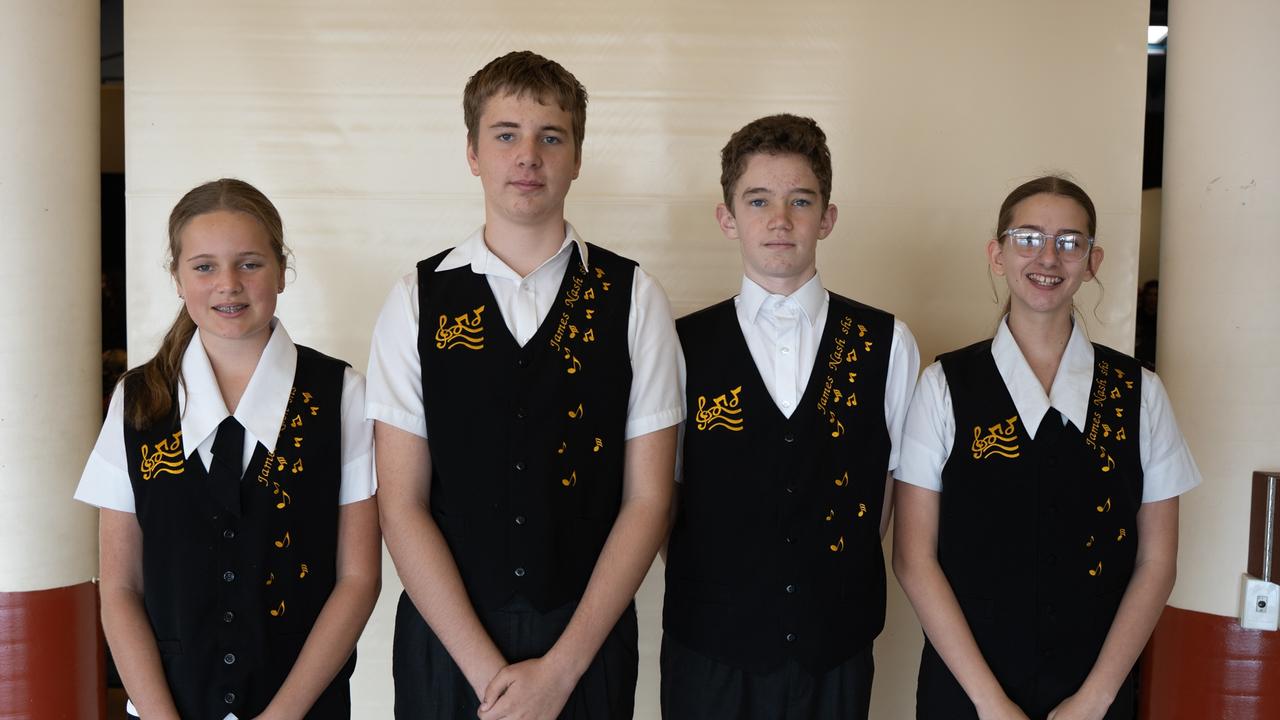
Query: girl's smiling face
x: 1047, y: 282
x: 229, y: 277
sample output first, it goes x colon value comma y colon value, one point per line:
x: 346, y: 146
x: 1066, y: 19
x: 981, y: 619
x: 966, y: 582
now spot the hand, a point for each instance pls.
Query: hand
x: 531, y: 690
x: 1080, y: 706
x: 1002, y: 709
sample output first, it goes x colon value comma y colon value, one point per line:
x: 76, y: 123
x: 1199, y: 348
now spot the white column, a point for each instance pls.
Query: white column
x: 50, y: 377
x: 1219, y: 328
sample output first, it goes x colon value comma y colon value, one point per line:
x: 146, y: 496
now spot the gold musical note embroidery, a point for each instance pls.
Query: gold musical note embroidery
x: 723, y: 412
x: 285, y: 541
x: 862, y: 509
x: 297, y: 466
x: 281, y: 462
x: 561, y: 449
x: 303, y: 570
x: 166, y: 459
x: 278, y: 611
x: 832, y: 420
x: 1105, y: 507
x: 573, y: 331
x: 862, y: 330
x: 604, y: 286
x: 1001, y: 440
x: 590, y: 313
x: 838, y: 546
x: 571, y: 480
x: 574, y: 363
x: 1121, y: 535
x: 1110, y: 462
x: 843, y: 480
x: 853, y: 377
x: 599, y: 444
x: 866, y: 345
x: 1120, y: 374
x: 852, y: 401
x: 297, y: 442
x: 1089, y: 544
x: 1128, y: 384
x: 590, y: 294
x: 306, y: 398
x: 1096, y: 571
x: 271, y: 578
x: 1120, y: 434
x: 589, y: 335
x: 296, y: 422
x: 467, y: 331
x: 830, y: 515
x: 1115, y: 393
x: 1106, y: 430
x: 284, y: 497
x: 599, y: 273
x: 851, y: 356
x: 314, y: 410
x: 1119, y: 412
x: 577, y: 413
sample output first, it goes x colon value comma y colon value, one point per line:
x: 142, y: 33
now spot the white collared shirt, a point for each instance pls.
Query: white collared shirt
x: 783, y: 334
x: 395, y: 367
x: 1167, y: 466
x: 105, y: 480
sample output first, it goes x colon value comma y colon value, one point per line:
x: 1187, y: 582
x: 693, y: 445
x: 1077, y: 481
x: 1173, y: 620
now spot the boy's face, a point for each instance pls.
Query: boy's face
x: 778, y: 218
x: 525, y: 158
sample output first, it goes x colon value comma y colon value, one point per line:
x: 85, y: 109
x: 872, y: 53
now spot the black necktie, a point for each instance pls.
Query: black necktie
x: 224, y: 471
x: 1050, y: 426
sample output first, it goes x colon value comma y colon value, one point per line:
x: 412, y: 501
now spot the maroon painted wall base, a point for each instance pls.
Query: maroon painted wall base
x: 51, y: 655
x: 1199, y: 666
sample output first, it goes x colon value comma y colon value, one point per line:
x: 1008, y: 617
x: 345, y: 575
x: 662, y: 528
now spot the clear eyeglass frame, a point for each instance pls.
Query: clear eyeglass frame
x: 1030, y: 243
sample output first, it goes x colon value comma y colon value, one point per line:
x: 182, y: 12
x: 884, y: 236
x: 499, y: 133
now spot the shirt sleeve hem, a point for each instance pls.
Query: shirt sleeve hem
x: 408, y: 422
x: 656, y: 421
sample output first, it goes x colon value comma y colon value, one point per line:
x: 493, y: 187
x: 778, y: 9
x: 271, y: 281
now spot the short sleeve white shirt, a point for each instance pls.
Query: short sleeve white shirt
x: 1167, y: 466
x: 105, y: 480
x: 395, y: 367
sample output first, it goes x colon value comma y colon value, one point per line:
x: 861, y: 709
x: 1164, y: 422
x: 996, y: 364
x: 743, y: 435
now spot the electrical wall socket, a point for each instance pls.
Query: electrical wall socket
x: 1259, y: 604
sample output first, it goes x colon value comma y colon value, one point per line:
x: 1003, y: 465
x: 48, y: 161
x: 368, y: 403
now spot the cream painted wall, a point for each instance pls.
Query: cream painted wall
x: 348, y: 116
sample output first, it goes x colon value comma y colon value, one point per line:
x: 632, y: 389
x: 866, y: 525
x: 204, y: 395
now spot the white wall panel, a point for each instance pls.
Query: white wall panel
x: 349, y: 116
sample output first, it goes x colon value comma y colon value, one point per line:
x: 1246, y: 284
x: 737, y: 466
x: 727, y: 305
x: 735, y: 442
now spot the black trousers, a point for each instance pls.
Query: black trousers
x: 696, y: 687
x: 940, y: 697
x: 430, y: 685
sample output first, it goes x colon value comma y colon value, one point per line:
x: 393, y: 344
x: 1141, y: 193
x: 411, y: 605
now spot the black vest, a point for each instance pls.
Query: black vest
x: 526, y: 442
x: 1038, y: 537
x: 775, y: 552
x: 232, y: 592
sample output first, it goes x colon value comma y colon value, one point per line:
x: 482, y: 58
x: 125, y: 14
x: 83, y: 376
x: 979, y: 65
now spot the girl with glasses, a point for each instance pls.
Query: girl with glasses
x: 1037, y: 495
x: 238, y: 530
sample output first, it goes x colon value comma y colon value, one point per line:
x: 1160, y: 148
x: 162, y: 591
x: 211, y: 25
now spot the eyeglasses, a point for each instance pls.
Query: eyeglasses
x: 1030, y: 243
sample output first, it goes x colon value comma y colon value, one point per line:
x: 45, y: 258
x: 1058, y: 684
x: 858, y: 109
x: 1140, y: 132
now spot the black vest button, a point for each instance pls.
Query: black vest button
x: 520, y: 465
x: 788, y: 540
x: 522, y: 362
x: 229, y: 659
x: 519, y: 519
x: 228, y: 616
x: 791, y: 588
x: 791, y: 637
x: 519, y: 413
x: 228, y: 533
x: 519, y: 572
x: 791, y: 489
x: 228, y: 576
x: 229, y: 698
x: 789, y: 438
x: 1051, y: 461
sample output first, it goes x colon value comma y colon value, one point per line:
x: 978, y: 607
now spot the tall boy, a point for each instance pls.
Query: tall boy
x: 524, y: 443
x: 796, y: 399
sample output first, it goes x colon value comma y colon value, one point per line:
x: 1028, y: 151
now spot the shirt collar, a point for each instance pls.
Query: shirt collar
x: 1069, y: 392
x: 261, y: 407
x: 474, y: 252
x: 808, y: 297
